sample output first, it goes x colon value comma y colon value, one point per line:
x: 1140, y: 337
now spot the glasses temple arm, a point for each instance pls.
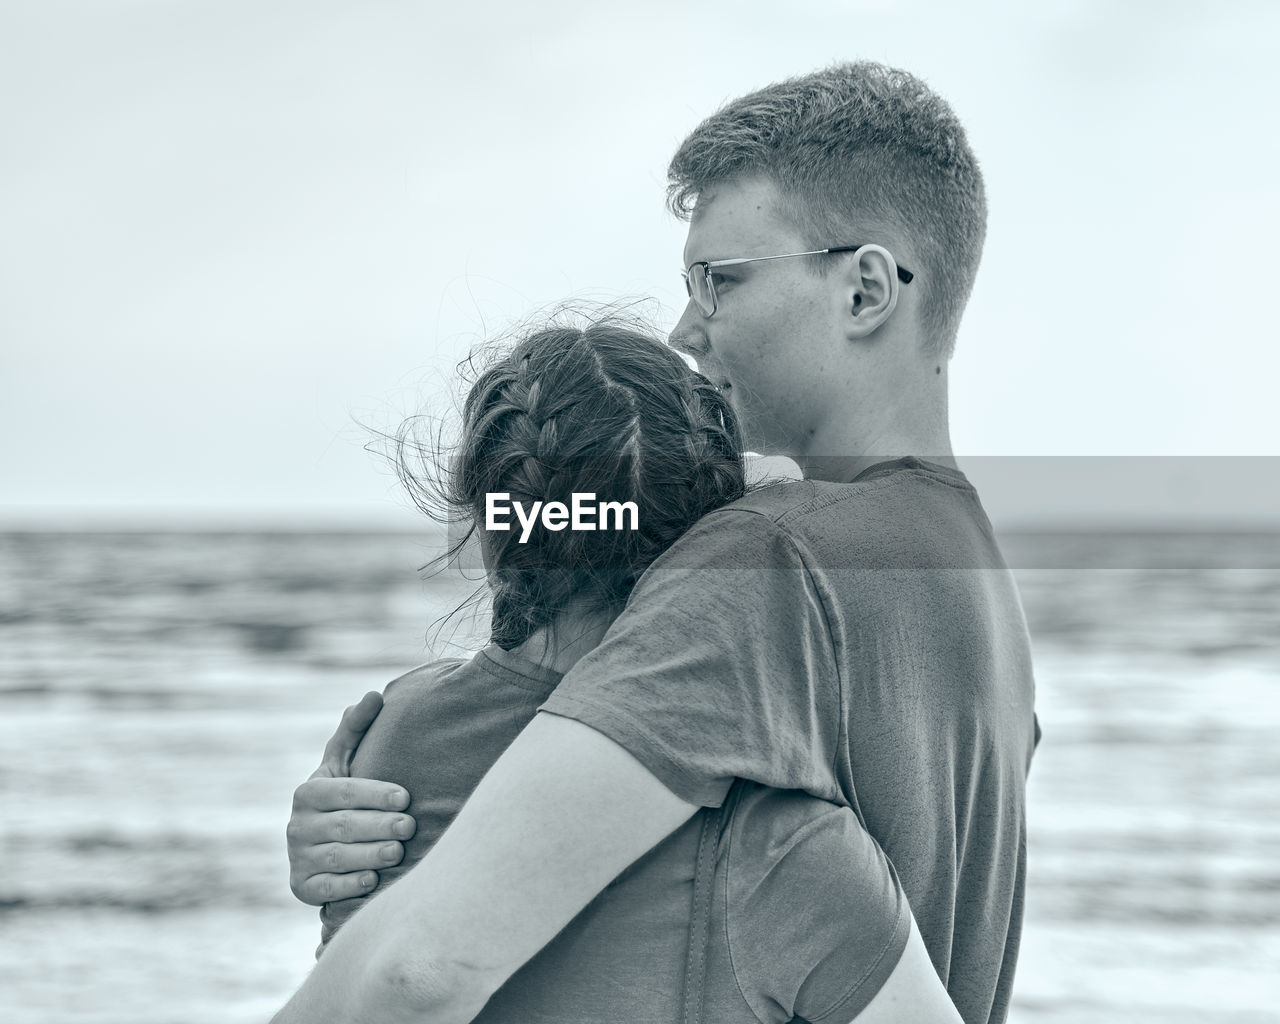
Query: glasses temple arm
x: 904, y: 275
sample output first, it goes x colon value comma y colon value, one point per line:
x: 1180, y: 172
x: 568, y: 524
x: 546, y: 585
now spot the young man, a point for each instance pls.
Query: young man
x: 855, y: 635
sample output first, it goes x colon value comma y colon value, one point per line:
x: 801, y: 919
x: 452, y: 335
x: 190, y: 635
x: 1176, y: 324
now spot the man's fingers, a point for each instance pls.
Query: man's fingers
x: 326, y: 794
x: 320, y: 889
x: 307, y: 831
x: 342, y: 744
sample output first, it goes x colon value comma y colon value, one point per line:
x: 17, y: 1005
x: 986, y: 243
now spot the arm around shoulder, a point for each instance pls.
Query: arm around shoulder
x: 559, y: 815
x: 721, y: 666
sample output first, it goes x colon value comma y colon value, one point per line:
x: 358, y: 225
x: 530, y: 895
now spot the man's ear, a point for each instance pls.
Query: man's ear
x: 871, y: 292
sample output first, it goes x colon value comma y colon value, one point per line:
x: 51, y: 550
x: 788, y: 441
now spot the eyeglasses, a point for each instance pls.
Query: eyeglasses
x: 701, y: 288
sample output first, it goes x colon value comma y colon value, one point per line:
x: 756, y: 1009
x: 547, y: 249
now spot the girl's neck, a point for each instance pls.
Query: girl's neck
x: 570, y: 635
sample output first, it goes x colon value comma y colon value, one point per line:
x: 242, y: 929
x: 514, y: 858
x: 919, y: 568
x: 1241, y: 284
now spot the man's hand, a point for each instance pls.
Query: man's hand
x: 343, y: 830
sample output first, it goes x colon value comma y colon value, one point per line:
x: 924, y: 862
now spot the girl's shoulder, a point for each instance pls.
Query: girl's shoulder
x: 489, y: 669
x: 424, y: 677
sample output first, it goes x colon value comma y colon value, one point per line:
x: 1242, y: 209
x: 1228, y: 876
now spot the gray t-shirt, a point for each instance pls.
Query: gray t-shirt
x: 774, y: 907
x: 865, y: 643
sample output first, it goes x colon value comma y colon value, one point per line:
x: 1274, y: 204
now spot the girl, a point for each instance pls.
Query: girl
x: 773, y: 906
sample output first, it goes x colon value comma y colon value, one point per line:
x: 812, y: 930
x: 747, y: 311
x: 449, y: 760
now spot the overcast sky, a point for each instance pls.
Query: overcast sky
x: 231, y: 232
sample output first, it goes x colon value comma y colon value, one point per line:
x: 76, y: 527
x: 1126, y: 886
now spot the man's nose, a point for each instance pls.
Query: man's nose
x: 687, y: 336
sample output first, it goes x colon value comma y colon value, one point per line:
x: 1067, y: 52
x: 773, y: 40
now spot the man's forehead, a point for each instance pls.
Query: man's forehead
x: 736, y: 219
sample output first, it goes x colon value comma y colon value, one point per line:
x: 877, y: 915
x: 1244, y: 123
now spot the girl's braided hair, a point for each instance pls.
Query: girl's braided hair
x: 604, y: 408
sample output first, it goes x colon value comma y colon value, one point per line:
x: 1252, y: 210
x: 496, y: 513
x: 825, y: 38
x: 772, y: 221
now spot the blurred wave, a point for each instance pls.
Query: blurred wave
x: 162, y: 694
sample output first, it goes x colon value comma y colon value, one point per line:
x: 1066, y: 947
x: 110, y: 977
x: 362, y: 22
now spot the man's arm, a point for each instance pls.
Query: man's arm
x: 562, y: 812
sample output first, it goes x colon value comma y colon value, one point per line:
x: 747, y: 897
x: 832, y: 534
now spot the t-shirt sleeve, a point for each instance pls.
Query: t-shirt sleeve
x: 721, y: 666
x: 816, y: 919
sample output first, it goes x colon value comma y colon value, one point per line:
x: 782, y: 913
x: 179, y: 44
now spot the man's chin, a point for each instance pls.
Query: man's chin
x: 758, y: 442
x: 762, y: 444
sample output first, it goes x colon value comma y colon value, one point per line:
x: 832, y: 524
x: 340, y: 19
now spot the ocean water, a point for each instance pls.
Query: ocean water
x: 162, y: 694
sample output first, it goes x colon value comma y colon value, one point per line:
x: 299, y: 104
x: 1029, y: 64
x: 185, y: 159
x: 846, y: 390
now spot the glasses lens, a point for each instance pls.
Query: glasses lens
x: 697, y: 282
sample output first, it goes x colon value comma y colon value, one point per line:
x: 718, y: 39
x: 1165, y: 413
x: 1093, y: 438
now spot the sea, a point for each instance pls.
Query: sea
x: 163, y: 693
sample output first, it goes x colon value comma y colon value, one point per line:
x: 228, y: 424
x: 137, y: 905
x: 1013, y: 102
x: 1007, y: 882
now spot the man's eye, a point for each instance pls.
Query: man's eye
x: 719, y: 280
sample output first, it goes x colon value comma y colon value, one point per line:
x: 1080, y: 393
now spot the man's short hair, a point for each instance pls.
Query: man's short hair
x: 856, y: 149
